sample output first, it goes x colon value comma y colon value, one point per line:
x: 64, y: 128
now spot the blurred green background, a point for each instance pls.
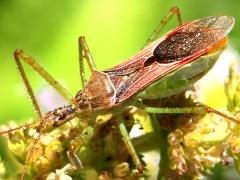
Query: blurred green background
x: 49, y: 31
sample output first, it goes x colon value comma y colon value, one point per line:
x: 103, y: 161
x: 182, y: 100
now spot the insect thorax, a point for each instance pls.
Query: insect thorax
x: 98, y: 93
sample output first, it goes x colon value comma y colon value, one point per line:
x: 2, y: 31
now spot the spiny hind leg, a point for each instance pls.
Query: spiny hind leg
x: 19, y: 55
x: 173, y: 11
x: 199, y: 110
x: 84, y: 53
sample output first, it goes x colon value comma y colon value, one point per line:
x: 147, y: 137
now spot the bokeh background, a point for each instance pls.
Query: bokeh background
x: 49, y: 31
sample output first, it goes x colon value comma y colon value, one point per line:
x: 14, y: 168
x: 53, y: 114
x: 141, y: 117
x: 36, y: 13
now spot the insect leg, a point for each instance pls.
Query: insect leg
x: 74, y: 146
x: 201, y: 110
x: 84, y: 53
x: 129, y: 145
x: 30, y: 154
x: 72, y: 155
x: 163, y: 22
x: 19, y: 54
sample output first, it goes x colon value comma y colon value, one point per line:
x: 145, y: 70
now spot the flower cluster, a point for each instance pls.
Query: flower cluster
x: 188, y: 145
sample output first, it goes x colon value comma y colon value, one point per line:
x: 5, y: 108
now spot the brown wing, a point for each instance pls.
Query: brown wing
x: 177, y: 48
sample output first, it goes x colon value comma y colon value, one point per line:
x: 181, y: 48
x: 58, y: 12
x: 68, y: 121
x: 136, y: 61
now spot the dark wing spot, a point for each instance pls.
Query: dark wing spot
x: 181, y: 44
x: 195, y: 37
x: 150, y: 61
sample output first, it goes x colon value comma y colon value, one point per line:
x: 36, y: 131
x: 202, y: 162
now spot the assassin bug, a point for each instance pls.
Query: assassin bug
x: 150, y: 74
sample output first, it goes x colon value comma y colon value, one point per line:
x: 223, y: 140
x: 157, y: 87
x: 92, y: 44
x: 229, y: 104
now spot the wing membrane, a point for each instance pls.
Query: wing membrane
x: 177, y: 48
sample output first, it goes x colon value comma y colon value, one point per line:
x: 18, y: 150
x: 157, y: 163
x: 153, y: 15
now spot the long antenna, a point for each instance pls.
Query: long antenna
x: 20, y: 127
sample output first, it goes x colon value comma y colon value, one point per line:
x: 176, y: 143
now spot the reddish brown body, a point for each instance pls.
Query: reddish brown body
x: 177, y: 48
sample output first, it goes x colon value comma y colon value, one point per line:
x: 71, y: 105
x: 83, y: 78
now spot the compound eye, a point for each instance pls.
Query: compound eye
x: 82, y: 101
x: 84, y: 104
